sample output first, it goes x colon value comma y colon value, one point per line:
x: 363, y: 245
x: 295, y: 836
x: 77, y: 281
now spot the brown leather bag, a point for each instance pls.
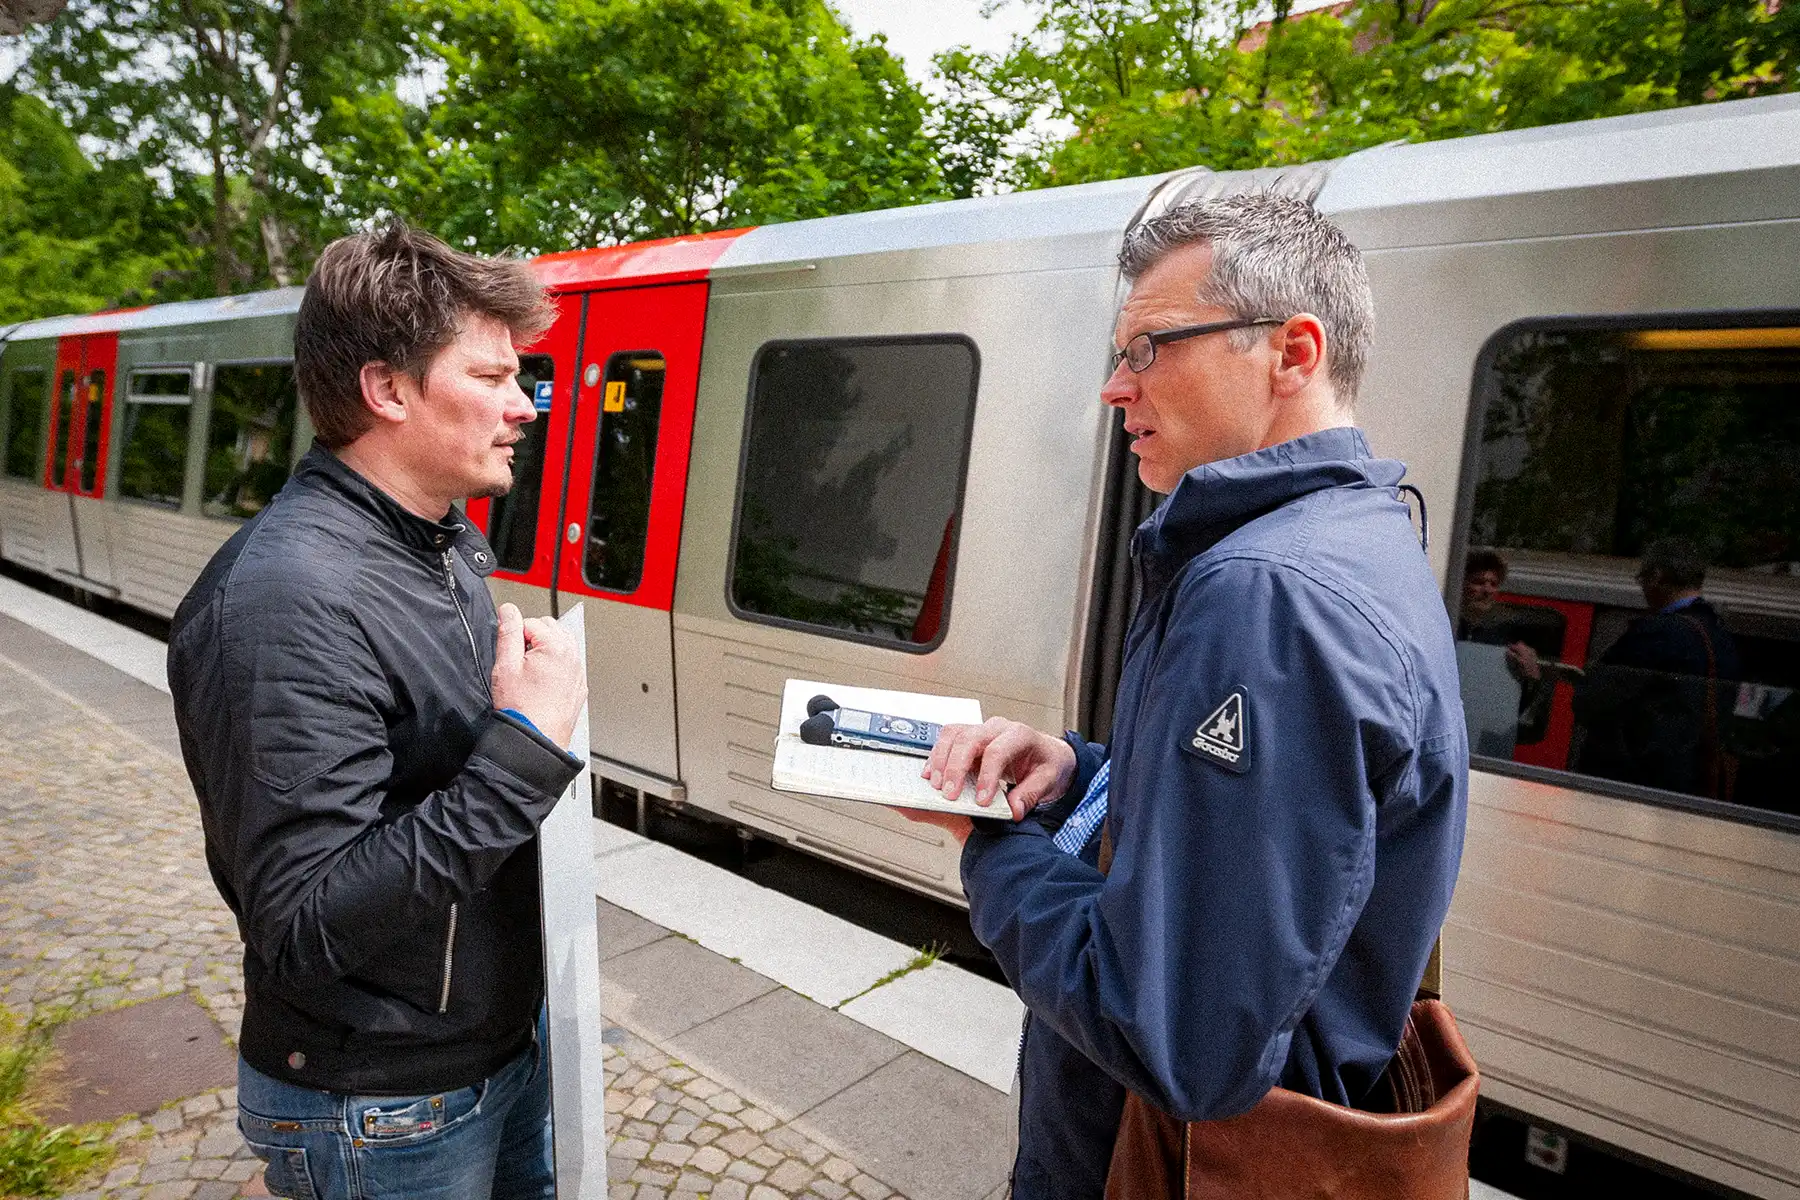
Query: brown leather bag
x: 1295, y: 1147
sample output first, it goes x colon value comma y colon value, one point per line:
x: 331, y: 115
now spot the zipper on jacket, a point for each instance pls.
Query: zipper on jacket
x: 449, y: 959
x: 475, y: 656
x: 474, y: 653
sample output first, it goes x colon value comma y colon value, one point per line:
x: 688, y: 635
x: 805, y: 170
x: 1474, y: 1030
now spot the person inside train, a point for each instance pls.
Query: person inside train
x: 1242, y: 891
x: 1655, y: 709
x: 1527, y: 672
x: 374, y: 746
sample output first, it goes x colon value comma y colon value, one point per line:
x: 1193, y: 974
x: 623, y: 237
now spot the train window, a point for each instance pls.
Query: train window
x: 250, y: 438
x: 59, y: 435
x: 153, y: 437
x: 512, y: 520
x: 90, y: 436
x: 852, y: 483
x: 624, y: 464
x: 1630, y: 601
x: 25, y: 401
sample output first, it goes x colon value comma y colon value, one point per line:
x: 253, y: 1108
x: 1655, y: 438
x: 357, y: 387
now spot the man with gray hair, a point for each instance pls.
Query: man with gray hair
x: 1241, y: 892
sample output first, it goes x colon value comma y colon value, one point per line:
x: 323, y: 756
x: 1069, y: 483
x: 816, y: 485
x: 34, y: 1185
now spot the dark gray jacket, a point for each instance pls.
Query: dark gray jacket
x: 369, y: 818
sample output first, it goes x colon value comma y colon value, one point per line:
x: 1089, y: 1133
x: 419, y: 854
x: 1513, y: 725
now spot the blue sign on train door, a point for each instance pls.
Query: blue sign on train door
x: 540, y: 395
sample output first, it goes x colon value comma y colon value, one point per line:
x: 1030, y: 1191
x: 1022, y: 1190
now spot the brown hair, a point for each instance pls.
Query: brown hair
x: 397, y: 295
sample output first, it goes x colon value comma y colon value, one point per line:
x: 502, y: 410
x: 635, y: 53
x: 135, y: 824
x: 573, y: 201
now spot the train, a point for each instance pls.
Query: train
x: 870, y: 448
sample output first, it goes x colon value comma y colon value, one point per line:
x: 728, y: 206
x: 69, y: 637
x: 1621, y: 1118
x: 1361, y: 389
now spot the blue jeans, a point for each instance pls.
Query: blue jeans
x: 490, y: 1141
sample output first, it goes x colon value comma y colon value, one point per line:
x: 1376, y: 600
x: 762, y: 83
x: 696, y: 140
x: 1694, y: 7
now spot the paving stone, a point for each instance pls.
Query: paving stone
x: 659, y: 1176
x: 746, y: 1171
x: 672, y: 1153
x: 791, y: 1176
x: 712, y: 1160
x: 828, y: 1189
x: 870, y: 1188
x: 730, y: 1189
x: 738, y: 1143
x: 763, y: 1156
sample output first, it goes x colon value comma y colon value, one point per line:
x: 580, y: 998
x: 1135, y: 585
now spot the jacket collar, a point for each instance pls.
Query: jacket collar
x: 320, y: 469
x: 1214, y: 499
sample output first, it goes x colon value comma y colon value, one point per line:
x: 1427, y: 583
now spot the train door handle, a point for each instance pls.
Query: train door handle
x: 573, y: 533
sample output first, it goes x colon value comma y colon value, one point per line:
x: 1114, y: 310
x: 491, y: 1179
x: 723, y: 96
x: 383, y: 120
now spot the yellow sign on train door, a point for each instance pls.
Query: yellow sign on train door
x: 615, y: 396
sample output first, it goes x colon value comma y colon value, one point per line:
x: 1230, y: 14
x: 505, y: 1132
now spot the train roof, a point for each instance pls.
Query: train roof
x: 160, y: 316
x: 1755, y: 142
x: 666, y: 260
x: 1729, y: 162
x: 1095, y: 212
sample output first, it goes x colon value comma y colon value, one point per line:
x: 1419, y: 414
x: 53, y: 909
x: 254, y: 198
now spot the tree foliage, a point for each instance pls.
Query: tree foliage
x: 1152, y: 85
x: 224, y: 96
x: 154, y: 149
x: 75, y: 236
x: 592, y: 121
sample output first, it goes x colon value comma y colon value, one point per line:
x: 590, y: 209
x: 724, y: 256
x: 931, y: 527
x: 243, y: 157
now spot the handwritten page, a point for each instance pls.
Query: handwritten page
x: 871, y: 776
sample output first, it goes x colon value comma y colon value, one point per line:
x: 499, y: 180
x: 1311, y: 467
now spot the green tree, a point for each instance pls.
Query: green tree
x: 76, y: 236
x: 1153, y: 85
x: 592, y: 121
x: 226, y: 94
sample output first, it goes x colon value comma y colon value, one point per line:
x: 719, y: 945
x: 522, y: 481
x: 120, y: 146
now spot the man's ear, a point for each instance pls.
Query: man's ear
x: 1300, y: 350
x: 387, y: 392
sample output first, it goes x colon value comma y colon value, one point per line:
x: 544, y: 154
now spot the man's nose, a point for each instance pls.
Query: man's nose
x: 1120, y: 387
x: 524, y: 411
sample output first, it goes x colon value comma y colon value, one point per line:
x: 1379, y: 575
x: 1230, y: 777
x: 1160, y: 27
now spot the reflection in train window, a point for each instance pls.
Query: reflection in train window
x: 153, y: 437
x: 90, y: 437
x: 852, y: 484
x: 1632, y: 591
x: 23, y: 406
x: 624, y: 464
x: 59, y: 436
x: 250, y: 438
x: 512, y: 520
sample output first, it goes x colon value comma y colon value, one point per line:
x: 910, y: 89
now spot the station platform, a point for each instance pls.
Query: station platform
x: 742, y: 1061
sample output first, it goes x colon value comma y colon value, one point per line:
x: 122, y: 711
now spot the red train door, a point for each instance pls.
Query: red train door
x: 523, y: 525
x: 80, y: 420
x: 620, y: 525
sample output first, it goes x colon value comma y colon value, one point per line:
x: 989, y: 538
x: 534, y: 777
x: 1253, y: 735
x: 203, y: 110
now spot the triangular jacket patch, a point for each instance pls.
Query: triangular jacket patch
x: 1223, y: 738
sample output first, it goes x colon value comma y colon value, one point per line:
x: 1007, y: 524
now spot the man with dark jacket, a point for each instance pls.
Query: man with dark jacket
x: 374, y: 747
x: 1654, y: 708
x: 1244, y: 888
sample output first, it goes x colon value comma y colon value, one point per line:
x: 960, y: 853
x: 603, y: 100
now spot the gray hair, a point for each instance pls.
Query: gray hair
x: 1272, y: 256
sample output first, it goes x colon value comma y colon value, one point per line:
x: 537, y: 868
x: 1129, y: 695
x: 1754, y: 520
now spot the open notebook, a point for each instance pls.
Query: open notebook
x: 872, y: 776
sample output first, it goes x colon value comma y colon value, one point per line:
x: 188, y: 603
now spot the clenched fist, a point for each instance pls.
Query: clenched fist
x: 537, y: 671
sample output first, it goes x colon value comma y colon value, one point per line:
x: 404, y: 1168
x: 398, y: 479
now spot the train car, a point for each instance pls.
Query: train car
x: 870, y: 449
x: 132, y: 444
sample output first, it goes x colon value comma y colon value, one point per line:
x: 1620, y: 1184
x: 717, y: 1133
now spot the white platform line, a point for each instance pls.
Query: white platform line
x: 136, y: 654
x: 943, y: 1012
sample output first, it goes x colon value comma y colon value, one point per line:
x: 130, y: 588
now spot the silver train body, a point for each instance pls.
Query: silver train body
x: 1626, y: 969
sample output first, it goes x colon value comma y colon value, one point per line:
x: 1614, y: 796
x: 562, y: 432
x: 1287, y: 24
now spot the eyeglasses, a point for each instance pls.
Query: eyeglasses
x: 1140, y: 351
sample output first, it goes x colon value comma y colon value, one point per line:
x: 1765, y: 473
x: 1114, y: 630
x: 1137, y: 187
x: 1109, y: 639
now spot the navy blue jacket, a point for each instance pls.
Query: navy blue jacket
x: 1288, y: 793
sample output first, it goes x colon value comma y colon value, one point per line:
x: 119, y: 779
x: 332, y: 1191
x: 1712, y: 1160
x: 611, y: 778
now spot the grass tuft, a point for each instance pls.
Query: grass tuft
x: 38, y: 1159
x: 924, y: 957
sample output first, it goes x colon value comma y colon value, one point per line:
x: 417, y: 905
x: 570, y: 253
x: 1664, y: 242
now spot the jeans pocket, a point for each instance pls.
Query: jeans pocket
x: 408, y: 1120
x: 286, y: 1173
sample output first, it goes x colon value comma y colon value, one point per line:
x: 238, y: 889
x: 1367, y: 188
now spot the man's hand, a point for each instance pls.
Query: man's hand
x: 537, y: 671
x: 1037, y: 765
x: 1524, y: 662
